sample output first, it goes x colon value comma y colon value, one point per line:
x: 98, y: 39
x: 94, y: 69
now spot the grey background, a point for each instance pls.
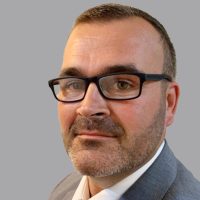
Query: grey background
x: 32, y: 38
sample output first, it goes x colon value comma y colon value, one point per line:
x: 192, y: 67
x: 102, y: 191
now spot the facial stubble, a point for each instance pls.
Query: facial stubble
x: 99, y: 159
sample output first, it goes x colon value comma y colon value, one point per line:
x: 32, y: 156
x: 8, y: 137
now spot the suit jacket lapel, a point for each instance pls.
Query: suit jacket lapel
x: 155, y: 182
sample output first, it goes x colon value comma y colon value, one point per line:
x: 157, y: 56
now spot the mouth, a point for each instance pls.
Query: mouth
x: 94, y: 135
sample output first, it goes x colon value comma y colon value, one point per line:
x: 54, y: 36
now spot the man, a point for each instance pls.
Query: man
x: 116, y: 96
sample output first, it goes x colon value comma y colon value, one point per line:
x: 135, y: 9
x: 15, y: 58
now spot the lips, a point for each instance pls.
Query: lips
x: 94, y: 134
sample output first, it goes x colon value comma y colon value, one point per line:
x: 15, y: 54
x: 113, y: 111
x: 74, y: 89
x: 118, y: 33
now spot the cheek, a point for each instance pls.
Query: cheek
x: 135, y: 115
x: 128, y: 114
x: 66, y: 115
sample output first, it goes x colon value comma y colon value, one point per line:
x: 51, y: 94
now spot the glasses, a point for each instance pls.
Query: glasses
x: 116, y: 86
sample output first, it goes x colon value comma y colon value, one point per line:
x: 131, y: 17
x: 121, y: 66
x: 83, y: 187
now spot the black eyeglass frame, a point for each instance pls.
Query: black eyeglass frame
x: 95, y: 79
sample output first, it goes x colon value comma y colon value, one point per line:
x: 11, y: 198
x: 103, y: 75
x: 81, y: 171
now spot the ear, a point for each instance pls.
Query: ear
x: 172, y: 96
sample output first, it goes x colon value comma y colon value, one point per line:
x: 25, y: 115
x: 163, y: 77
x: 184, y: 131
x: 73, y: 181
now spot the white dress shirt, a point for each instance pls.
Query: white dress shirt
x: 116, y: 191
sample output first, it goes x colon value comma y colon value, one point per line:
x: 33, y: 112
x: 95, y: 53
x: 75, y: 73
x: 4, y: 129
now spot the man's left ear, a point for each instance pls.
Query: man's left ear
x: 172, y: 96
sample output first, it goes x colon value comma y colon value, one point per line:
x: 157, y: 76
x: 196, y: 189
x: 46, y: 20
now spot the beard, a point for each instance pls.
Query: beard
x: 124, y: 153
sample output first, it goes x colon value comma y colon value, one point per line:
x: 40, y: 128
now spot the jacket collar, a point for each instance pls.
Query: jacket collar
x: 155, y: 182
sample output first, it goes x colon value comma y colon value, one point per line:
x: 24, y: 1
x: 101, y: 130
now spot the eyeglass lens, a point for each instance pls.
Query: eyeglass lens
x: 120, y: 86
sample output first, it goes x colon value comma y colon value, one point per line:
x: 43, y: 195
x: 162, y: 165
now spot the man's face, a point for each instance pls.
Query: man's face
x: 107, y: 137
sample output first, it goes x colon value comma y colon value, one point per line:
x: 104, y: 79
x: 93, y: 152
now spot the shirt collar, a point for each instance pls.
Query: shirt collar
x: 116, y: 191
x: 82, y: 192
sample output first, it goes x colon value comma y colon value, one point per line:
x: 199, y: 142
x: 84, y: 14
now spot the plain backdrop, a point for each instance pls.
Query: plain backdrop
x: 32, y: 38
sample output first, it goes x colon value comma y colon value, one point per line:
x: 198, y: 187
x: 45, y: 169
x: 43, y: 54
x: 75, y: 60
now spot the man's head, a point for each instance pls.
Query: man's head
x: 103, y: 136
x: 109, y: 12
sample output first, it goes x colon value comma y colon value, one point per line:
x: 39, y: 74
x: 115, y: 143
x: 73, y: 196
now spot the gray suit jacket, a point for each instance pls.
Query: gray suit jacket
x: 166, y: 179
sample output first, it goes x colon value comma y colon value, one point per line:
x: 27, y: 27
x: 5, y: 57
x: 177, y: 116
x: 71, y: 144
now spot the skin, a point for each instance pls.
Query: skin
x: 108, y: 156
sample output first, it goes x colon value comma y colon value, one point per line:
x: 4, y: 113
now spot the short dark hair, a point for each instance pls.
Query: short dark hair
x: 111, y: 11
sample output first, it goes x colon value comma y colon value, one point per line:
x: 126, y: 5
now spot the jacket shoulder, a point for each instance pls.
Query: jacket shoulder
x: 66, y: 188
x: 185, y: 185
x: 166, y: 179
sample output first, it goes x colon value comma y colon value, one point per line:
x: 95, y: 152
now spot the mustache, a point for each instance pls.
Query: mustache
x: 105, y: 125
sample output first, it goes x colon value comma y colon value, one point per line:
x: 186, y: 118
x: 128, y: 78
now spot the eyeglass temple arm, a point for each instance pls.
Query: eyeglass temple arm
x: 154, y: 77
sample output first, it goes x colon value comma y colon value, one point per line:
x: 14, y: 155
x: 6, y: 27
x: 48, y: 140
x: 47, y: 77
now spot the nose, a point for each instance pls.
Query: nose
x: 93, y: 103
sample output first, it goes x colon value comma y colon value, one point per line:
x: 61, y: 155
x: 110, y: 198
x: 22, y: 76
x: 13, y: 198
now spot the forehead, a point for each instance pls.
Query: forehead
x: 91, y: 48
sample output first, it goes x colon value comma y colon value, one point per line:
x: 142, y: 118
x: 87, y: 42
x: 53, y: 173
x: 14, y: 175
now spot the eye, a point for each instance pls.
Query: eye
x: 72, y: 85
x: 75, y: 85
x: 123, y: 85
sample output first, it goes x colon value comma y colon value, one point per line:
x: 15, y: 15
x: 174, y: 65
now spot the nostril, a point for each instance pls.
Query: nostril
x: 98, y: 114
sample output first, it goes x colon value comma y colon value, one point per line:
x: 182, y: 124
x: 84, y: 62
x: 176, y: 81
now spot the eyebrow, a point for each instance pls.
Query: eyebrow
x: 71, y: 71
x: 75, y: 71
